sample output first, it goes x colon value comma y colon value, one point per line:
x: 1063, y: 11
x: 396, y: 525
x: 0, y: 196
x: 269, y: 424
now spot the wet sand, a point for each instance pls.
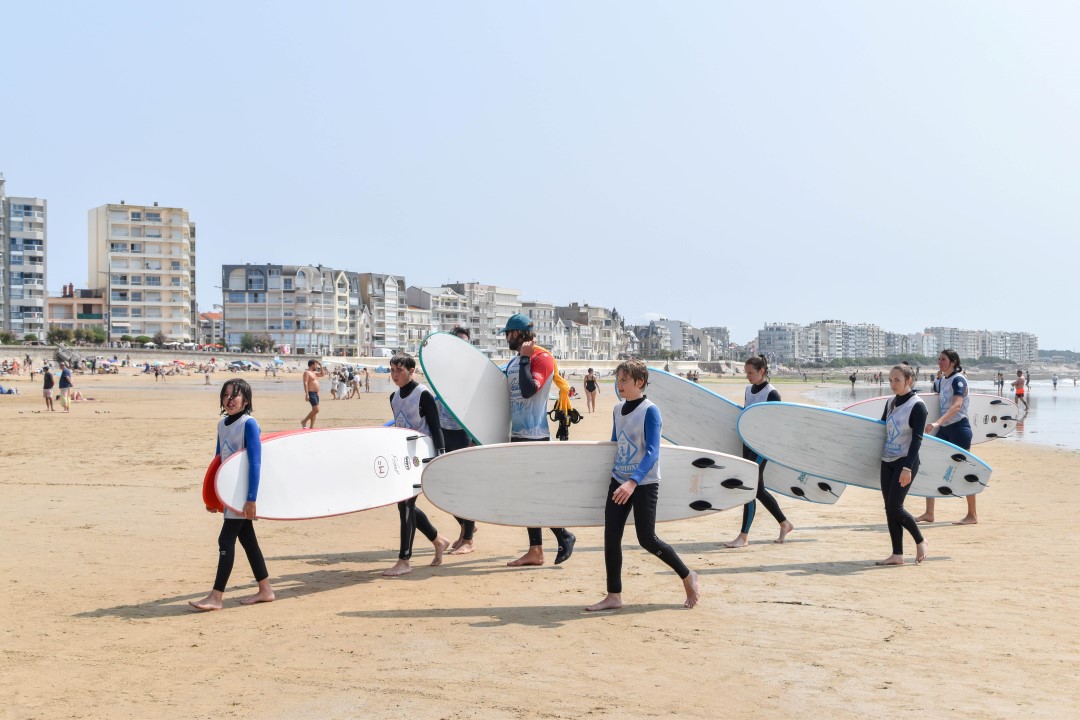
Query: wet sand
x: 105, y: 540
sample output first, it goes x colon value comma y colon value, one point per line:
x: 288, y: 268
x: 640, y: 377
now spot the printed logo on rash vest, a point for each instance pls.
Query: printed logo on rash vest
x: 625, y: 455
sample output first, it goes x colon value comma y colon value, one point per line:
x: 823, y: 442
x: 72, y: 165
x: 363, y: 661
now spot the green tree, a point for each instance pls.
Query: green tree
x: 30, y: 336
x: 6, y: 337
x: 96, y: 335
x: 247, y: 342
x: 160, y: 339
x: 264, y: 343
x: 141, y: 339
x: 55, y: 336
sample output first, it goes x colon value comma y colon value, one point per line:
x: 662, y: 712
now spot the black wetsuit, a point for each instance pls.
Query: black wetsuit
x: 893, y: 494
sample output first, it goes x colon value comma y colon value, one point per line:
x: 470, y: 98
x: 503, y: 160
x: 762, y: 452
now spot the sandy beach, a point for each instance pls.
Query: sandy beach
x: 105, y: 540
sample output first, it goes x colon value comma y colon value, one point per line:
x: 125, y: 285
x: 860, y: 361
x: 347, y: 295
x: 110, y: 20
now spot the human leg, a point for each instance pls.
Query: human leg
x: 615, y: 516
x: 645, y: 525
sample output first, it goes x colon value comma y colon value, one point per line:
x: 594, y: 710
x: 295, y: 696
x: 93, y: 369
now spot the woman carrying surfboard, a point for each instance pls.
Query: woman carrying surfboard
x: 635, y: 485
x: 953, y: 425
x: 905, y: 418
x: 759, y: 390
x: 238, y: 431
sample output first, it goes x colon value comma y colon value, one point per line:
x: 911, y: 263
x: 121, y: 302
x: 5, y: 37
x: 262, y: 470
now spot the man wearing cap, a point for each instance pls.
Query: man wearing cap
x: 529, y: 375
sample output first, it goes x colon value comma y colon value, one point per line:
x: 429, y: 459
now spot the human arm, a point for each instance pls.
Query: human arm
x: 429, y: 410
x: 534, y: 371
x: 253, y: 445
x: 916, y: 420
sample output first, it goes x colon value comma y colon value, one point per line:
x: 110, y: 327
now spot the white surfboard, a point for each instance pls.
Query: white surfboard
x: 326, y: 472
x: 847, y: 447
x: 565, y: 484
x: 695, y: 416
x: 472, y: 387
x: 990, y: 416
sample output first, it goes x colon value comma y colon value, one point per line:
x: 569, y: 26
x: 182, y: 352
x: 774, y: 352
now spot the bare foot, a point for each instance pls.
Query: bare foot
x: 613, y: 601
x: 785, y: 528
x: 265, y: 594
x: 693, y: 591
x: 738, y: 542
x: 891, y: 560
x: 210, y: 602
x: 967, y: 520
x: 533, y: 556
x: 920, y: 552
x: 440, y: 544
x: 464, y: 548
x: 401, y: 567
x: 925, y: 517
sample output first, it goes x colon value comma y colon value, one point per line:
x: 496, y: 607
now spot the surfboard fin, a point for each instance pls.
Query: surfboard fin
x: 701, y: 505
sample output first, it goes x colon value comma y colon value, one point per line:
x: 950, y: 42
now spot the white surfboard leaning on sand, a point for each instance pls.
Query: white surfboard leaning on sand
x: 472, y: 387
x: 847, y: 447
x: 326, y: 472
x: 991, y: 417
x: 565, y: 484
x: 695, y: 416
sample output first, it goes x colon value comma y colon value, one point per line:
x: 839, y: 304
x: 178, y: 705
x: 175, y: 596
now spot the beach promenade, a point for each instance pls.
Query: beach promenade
x: 105, y: 540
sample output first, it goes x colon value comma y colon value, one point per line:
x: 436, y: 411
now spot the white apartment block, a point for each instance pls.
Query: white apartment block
x: 143, y: 256
x: 783, y: 342
x: 306, y: 309
x: 23, y: 230
x: 864, y: 340
x: 385, y: 298
x: 418, y: 325
x: 550, y: 333
x: 448, y: 308
x: 488, y: 307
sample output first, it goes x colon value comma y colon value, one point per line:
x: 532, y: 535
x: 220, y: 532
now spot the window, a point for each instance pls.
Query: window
x: 118, y: 247
x: 136, y: 296
x: 175, y: 265
x: 136, y: 247
x: 153, y: 281
x: 153, y: 217
x: 136, y: 216
x: 288, y: 284
x: 236, y: 297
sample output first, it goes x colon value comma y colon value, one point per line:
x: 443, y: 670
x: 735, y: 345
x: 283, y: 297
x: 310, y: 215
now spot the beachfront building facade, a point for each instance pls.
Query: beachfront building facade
x: 211, y: 329
x: 23, y: 233
x: 783, y: 342
x: 143, y: 257
x: 305, y: 309
x: 76, y: 309
x: 419, y: 323
x: 447, y: 307
x: 1019, y: 347
x: 385, y: 297
x: 488, y: 308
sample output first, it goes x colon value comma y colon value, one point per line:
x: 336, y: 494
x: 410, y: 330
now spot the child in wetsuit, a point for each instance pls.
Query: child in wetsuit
x: 635, y: 485
x: 238, y: 431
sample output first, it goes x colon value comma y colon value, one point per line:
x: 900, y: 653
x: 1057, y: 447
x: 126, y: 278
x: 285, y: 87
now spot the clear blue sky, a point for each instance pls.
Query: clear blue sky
x: 904, y: 164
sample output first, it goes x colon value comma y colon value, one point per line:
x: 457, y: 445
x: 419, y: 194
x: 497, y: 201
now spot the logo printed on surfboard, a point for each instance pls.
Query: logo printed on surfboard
x: 381, y: 467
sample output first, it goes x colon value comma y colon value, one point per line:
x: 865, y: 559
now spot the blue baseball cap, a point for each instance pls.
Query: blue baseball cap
x: 517, y: 322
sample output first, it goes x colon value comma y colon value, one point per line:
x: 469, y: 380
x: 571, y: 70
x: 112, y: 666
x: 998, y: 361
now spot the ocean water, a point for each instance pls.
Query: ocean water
x: 1054, y: 417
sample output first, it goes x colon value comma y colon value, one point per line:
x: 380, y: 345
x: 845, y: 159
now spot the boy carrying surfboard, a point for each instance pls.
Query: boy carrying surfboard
x: 635, y: 485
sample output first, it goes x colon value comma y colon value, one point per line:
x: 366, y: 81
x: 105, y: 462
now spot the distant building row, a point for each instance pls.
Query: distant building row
x: 828, y: 340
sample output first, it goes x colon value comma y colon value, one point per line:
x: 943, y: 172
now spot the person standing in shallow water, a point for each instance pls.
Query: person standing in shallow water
x: 759, y: 390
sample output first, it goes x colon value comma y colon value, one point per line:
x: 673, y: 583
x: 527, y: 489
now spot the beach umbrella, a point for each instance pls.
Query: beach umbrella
x: 179, y: 362
x: 256, y: 363
x: 278, y: 361
x: 156, y: 363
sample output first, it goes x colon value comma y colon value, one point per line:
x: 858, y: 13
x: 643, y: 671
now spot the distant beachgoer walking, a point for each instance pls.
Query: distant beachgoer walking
x: 591, y: 390
x: 311, y: 390
x: 50, y: 382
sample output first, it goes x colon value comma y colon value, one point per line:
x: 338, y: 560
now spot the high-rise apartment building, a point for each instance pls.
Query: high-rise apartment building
x: 23, y: 229
x: 143, y: 256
